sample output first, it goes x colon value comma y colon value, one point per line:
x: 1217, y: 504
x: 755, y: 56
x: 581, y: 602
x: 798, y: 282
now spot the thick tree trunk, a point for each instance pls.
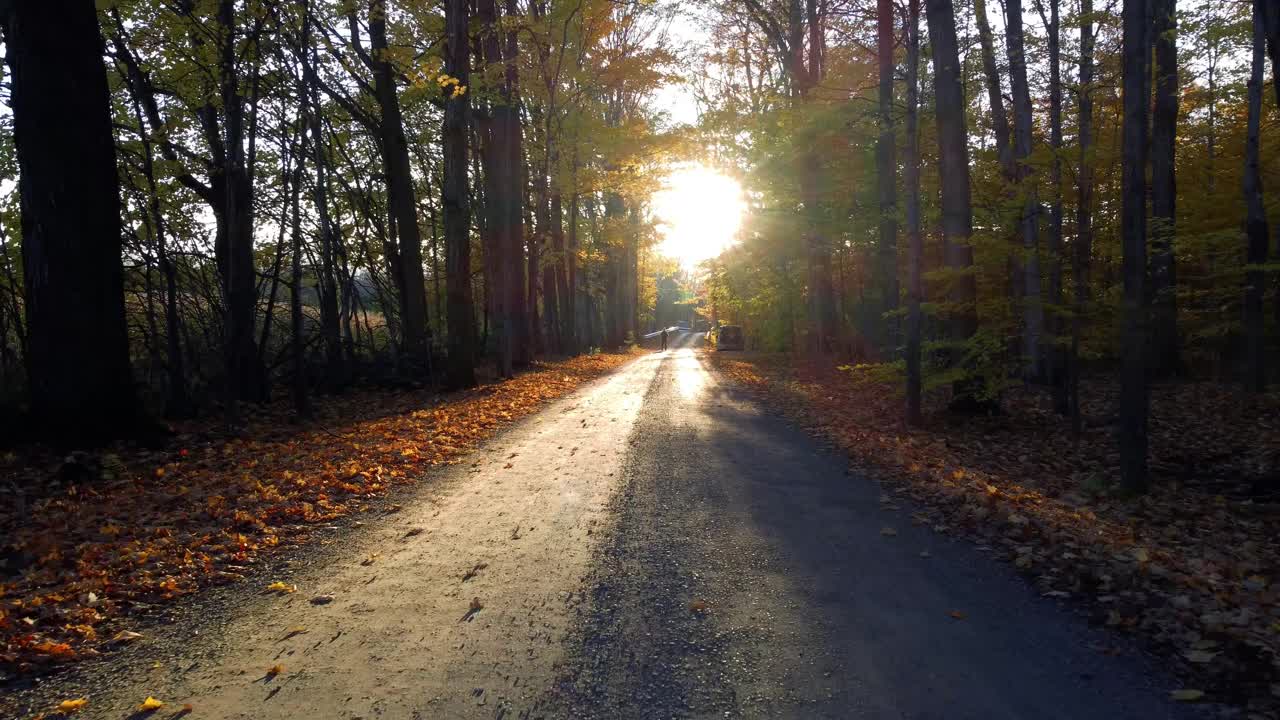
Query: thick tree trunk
x: 460, y: 372
x: 246, y: 378
x: 497, y: 182
x: 1164, y: 359
x: 1134, y: 398
x: 887, y: 180
x: 400, y: 193
x: 1256, y: 233
x: 915, y: 241
x: 1082, y: 249
x: 81, y: 385
x: 1032, y: 305
x: 957, y: 210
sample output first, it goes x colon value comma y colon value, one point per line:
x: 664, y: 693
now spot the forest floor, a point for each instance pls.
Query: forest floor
x: 655, y: 544
x: 91, y: 543
x: 1193, y: 567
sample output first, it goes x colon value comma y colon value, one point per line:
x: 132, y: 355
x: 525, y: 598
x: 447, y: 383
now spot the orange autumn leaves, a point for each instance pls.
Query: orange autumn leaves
x: 154, y: 526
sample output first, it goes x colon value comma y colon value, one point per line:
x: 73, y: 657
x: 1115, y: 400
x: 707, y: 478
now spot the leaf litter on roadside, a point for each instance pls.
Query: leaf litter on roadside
x: 90, y: 552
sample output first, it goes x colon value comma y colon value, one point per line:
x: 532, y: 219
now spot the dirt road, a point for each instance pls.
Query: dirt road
x: 649, y: 547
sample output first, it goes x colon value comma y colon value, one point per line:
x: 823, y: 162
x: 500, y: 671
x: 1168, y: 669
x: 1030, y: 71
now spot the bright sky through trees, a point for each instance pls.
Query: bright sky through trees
x: 699, y: 211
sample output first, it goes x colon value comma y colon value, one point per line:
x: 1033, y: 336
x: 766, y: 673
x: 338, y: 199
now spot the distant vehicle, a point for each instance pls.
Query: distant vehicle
x: 683, y: 325
x: 700, y: 326
x: 729, y: 337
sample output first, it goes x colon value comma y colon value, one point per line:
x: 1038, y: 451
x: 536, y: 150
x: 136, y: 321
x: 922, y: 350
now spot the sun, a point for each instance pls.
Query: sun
x: 699, y: 212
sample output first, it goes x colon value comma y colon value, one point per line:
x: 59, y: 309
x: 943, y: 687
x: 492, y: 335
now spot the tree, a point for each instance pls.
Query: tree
x: 1133, y: 227
x: 1082, y: 247
x: 400, y: 193
x: 1165, y: 351
x: 1032, y: 307
x: 457, y: 212
x: 887, y: 175
x: 915, y: 242
x: 1056, y: 360
x: 1256, y: 233
x: 80, y: 383
x: 953, y: 170
x: 995, y: 99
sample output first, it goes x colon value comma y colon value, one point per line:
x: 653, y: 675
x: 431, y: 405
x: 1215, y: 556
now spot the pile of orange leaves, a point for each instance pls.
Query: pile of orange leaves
x: 79, y: 555
x: 1192, y: 567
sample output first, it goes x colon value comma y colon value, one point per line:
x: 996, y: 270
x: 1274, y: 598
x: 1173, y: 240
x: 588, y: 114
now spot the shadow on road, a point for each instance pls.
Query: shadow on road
x: 749, y: 575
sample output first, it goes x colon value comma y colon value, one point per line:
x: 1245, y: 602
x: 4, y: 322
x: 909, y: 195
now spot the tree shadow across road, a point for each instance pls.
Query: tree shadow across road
x: 749, y: 575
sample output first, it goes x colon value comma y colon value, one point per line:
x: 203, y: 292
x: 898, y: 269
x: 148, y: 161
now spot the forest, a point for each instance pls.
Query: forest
x: 1019, y: 251
x: 293, y: 198
x: 1006, y: 195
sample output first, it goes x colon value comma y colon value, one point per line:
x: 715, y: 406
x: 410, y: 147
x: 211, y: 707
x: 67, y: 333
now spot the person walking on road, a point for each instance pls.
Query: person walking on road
x: 664, y: 338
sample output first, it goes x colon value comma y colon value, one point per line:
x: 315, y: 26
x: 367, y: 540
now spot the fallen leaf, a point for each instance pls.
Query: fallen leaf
x: 293, y: 631
x: 125, y: 637
x: 698, y: 606
x: 888, y: 531
x: 151, y: 704
x: 1186, y: 695
x: 282, y: 587
x: 70, y: 706
x: 275, y: 670
x: 956, y: 614
x: 414, y: 531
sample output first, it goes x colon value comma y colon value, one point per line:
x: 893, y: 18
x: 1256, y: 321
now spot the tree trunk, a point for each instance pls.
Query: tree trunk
x: 509, y: 116
x: 326, y: 278
x: 1082, y: 249
x: 915, y: 241
x: 246, y: 378
x: 497, y: 169
x: 548, y: 262
x: 1256, y: 233
x: 81, y: 385
x: 400, y: 193
x: 957, y: 210
x: 297, y: 329
x: 571, y: 263
x: 1133, y: 227
x: 887, y: 180
x: 1032, y: 306
x: 999, y: 119
x: 1164, y: 360
x: 1056, y: 368
x: 460, y: 372
x: 563, y: 287
x: 178, y: 401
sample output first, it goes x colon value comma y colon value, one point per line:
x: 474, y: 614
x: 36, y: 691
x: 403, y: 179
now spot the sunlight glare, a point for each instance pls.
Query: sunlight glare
x: 699, y: 212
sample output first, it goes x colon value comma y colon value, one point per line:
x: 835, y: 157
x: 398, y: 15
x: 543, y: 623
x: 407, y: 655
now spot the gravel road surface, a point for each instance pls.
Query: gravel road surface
x: 652, y: 546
